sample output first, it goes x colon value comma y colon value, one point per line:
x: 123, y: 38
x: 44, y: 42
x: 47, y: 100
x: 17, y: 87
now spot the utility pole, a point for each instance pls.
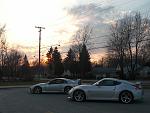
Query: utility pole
x: 40, y: 29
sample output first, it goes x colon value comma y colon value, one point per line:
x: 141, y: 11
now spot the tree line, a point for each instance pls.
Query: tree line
x: 128, y: 46
x: 13, y: 63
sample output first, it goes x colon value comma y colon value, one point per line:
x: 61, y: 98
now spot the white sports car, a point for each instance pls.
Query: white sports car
x: 108, y: 89
x: 55, y: 85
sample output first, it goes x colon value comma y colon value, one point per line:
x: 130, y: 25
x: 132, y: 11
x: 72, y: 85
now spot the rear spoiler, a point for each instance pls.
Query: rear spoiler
x: 138, y: 85
x: 78, y: 81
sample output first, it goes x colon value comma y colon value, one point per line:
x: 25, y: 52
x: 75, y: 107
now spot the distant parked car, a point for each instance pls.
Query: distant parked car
x: 55, y: 85
x: 108, y: 89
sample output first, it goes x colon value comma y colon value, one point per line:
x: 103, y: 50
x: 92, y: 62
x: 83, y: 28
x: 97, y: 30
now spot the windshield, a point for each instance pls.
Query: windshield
x: 96, y: 83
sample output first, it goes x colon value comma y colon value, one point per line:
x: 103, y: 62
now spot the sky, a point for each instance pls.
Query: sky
x: 61, y: 19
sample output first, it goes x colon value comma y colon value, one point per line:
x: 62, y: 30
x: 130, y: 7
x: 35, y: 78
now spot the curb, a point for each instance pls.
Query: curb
x: 10, y: 87
x: 27, y: 86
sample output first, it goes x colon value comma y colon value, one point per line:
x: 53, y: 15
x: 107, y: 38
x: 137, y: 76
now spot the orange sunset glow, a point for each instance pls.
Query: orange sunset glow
x: 61, y: 19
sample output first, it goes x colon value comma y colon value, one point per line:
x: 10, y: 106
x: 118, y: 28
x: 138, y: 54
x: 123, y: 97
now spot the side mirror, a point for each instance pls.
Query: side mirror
x: 48, y: 82
x: 97, y: 84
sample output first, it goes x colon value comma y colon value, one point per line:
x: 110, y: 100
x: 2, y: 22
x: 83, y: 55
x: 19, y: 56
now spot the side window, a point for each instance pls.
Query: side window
x: 117, y: 83
x: 65, y: 81
x: 53, y: 81
x: 107, y: 83
x: 57, y: 81
x: 61, y: 81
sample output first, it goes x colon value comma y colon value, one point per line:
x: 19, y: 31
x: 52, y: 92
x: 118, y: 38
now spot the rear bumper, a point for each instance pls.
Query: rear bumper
x: 139, y: 95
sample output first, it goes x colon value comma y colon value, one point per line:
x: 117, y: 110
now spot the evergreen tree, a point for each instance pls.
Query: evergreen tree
x: 50, y: 60
x: 70, y: 62
x: 71, y: 55
x: 25, y: 61
x: 26, y: 69
x: 84, y: 61
x: 58, y: 67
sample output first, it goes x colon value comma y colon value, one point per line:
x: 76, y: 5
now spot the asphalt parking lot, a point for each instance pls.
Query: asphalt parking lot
x: 19, y: 100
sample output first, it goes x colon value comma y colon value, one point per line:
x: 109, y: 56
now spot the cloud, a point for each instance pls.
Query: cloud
x: 98, y: 16
x: 90, y: 8
x: 101, y: 16
x: 90, y: 14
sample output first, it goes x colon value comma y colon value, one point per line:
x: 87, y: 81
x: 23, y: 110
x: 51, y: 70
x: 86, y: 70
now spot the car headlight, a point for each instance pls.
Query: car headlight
x: 71, y: 90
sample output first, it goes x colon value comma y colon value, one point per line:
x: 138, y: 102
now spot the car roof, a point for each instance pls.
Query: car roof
x: 64, y: 79
x: 110, y: 79
x: 123, y: 81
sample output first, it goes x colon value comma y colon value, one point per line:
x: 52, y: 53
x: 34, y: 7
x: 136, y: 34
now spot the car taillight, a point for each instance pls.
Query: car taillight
x: 138, y: 86
x: 78, y: 81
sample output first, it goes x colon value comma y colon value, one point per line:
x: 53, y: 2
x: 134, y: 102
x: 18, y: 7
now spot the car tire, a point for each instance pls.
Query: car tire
x: 37, y: 90
x: 67, y: 89
x: 126, y: 97
x: 79, y: 96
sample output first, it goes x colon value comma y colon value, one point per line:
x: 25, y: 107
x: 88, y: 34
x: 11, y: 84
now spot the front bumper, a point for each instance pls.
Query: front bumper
x: 30, y: 90
x: 69, y: 98
x: 70, y: 94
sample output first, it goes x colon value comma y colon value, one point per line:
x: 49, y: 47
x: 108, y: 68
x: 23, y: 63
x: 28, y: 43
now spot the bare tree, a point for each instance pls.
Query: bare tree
x: 117, y: 45
x: 127, y: 38
x: 2, y: 30
x: 138, y: 33
x: 81, y: 37
x: 13, y: 62
x: 145, y: 53
x: 76, y: 50
x: 3, y: 49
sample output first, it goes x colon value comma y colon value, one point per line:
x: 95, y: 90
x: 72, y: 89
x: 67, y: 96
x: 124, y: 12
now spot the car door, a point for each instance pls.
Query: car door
x: 105, y: 89
x: 55, y: 85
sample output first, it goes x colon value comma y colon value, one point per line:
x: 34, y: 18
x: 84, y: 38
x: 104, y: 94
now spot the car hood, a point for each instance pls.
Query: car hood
x: 40, y: 84
x: 83, y: 86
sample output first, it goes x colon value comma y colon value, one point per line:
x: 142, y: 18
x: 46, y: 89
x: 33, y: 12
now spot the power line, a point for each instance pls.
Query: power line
x: 84, y: 16
x: 71, y: 42
x: 96, y: 6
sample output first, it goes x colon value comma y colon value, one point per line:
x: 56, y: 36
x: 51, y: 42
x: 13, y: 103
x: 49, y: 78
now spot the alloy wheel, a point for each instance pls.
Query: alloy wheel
x: 37, y: 90
x: 126, y: 97
x: 79, y: 96
x: 67, y: 89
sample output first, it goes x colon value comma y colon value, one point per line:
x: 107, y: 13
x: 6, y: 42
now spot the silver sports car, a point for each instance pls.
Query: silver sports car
x: 107, y: 89
x: 55, y: 85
